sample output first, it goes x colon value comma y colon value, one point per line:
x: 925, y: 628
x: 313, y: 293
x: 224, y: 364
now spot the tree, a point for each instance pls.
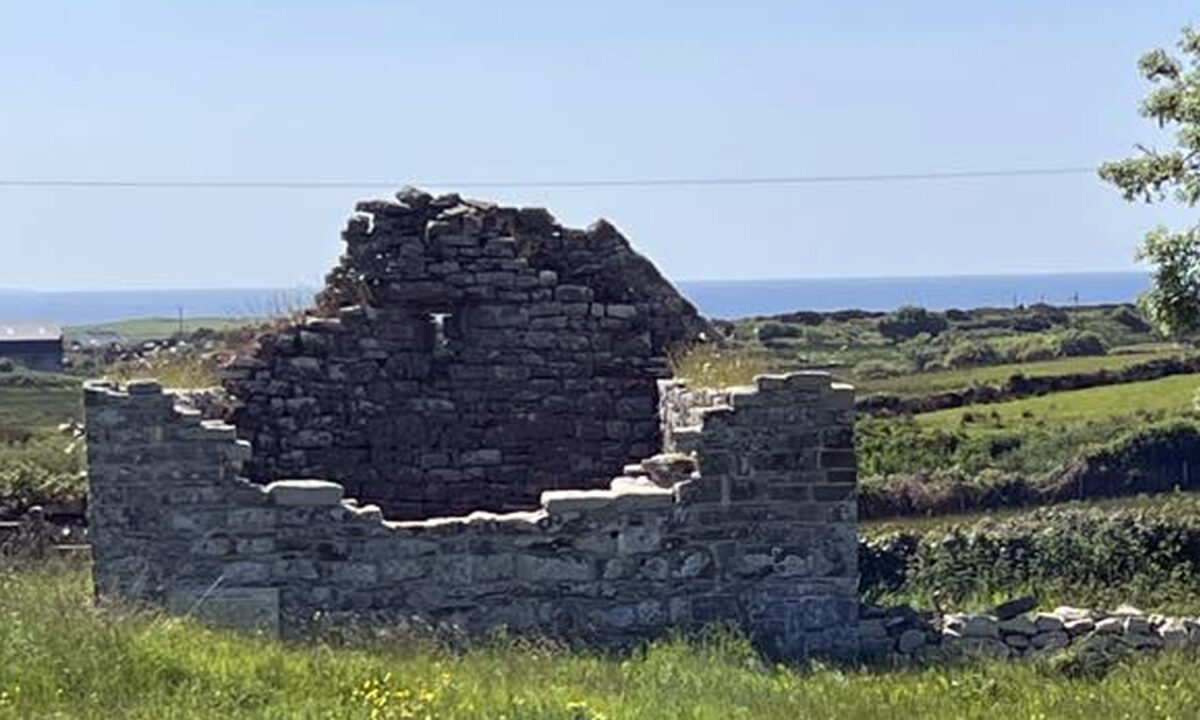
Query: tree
x: 1173, y: 302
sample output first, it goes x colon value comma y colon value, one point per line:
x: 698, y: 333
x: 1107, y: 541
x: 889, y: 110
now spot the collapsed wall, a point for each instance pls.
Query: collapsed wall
x: 762, y: 535
x: 465, y: 356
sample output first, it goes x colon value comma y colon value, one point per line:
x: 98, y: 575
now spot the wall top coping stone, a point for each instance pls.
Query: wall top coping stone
x: 521, y: 520
x: 557, y: 501
x: 305, y: 493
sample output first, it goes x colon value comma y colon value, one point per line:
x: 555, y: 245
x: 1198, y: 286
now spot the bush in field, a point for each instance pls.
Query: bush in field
x: 922, y: 352
x: 971, y: 353
x: 1032, y: 349
x: 775, y: 331
x: 1081, y: 343
x: 910, y: 321
x: 879, y: 369
x: 1130, y: 320
x: 803, y: 317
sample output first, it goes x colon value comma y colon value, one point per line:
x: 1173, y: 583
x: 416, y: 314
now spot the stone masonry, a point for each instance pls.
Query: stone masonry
x: 465, y: 356
x: 750, y: 521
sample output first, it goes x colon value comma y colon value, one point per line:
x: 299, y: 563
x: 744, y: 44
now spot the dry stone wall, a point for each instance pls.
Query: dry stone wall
x: 1014, y: 631
x: 465, y: 356
x: 761, y: 534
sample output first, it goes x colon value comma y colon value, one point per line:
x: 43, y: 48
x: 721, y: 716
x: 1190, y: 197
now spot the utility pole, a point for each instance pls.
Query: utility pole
x: 181, y: 321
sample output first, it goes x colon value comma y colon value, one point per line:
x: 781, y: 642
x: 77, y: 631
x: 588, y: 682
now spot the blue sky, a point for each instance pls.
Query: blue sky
x: 360, y: 90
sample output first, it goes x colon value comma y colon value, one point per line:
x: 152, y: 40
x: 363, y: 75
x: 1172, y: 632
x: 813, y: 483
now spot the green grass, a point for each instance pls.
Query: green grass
x: 62, y: 658
x: 712, y: 367
x: 928, y: 383
x: 40, y: 406
x: 943, y: 523
x: 155, y: 328
x: 1169, y: 395
x: 173, y: 371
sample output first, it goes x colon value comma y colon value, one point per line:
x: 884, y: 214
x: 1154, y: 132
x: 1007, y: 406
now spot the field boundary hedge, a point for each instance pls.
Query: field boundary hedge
x: 1156, y: 459
x: 1020, y: 386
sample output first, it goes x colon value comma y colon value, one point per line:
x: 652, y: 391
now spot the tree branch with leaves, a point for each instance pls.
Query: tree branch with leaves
x: 1173, y: 302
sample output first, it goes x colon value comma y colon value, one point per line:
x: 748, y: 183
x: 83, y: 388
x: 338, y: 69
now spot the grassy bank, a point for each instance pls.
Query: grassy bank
x: 1145, y: 552
x: 932, y: 382
x: 1170, y: 395
x: 61, y: 658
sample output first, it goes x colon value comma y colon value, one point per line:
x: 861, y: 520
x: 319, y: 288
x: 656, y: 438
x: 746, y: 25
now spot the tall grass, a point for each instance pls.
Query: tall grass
x: 714, y: 367
x: 61, y: 657
x: 174, y: 371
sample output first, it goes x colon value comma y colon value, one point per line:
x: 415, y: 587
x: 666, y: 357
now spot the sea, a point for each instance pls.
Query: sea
x: 715, y: 298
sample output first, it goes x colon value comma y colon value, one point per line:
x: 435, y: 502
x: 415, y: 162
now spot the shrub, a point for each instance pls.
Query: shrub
x: 774, y: 330
x: 1130, y: 319
x: 878, y: 369
x: 1079, y: 343
x: 1031, y: 323
x: 969, y: 353
x: 910, y: 321
x: 922, y: 352
x: 803, y: 317
x: 1033, y: 349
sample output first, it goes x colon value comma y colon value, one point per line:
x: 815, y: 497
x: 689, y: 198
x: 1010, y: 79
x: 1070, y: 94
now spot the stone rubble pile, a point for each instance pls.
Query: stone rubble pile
x: 1015, y: 631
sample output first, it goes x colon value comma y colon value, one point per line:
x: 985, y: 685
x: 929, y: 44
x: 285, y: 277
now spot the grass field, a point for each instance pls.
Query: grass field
x: 44, y: 400
x: 155, y: 328
x: 1169, y: 395
x: 927, y: 383
x: 62, y: 658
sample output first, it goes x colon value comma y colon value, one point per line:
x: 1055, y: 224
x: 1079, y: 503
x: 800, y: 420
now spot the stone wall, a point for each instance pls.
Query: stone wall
x: 465, y: 356
x: 761, y: 535
x: 1013, y: 631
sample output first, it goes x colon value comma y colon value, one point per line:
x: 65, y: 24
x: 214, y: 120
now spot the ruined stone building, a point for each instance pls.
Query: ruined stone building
x: 494, y: 385
x: 465, y: 356
x: 761, y: 535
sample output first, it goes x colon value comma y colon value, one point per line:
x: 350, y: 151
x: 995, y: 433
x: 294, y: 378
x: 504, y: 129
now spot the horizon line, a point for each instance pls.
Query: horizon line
x: 831, y: 278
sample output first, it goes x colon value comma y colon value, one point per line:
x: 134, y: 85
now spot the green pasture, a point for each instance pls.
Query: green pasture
x: 1165, y: 396
x: 933, y: 382
x: 62, y: 657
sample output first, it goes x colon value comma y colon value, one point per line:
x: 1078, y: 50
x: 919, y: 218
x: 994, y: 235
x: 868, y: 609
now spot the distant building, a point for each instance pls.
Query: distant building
x: 97, y: 338
x: 37, y: 346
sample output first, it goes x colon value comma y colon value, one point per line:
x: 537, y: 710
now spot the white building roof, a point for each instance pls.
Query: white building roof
x: 26, y: 331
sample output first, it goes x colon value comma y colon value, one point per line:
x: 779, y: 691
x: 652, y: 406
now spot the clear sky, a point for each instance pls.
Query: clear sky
x: 432, y: 91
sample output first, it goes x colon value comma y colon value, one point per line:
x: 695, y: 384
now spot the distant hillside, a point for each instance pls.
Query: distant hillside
x: 155, y: 328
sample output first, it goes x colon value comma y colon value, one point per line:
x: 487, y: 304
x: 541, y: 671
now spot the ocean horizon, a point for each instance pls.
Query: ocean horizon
x: 715, y: 298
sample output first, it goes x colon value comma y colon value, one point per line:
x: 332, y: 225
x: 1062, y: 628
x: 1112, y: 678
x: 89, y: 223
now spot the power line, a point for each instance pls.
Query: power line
x: 595, y: 183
